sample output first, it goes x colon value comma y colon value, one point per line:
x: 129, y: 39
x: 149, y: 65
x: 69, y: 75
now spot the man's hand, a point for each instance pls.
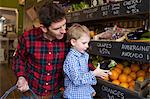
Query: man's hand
x: 22, y: 84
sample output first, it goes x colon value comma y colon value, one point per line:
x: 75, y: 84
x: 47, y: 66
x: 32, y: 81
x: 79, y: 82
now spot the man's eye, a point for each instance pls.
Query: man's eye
x: 57, y: 28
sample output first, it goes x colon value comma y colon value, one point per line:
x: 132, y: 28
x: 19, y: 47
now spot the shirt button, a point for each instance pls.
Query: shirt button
x: 49, y: 53
x: 45, y: 90
x: 48, y: 73
x: 46, y: 84
x: 49, y: 63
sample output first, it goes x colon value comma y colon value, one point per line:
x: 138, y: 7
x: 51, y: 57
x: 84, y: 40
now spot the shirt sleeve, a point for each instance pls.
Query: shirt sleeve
x: 19, y: 58
x: 75, y: 74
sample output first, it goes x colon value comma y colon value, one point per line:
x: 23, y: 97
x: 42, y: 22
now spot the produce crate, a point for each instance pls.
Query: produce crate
x: 107, y: 90
x: 143, y: 88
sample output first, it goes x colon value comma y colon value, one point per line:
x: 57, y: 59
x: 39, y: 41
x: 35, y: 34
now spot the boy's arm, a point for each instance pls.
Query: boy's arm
x: 91, y: 67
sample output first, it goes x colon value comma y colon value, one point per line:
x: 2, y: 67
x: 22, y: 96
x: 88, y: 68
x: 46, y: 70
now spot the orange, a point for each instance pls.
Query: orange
x: 126, y: 70
x: 131, y: 88
x: 125, y: 85
x: 116, y: 82
x: 135, y: 67
x: 118, y: 70
x: 141, y: 79
x: 140, y: 73
x: 132, y: 83
x: 129, y: 78
x: 119, y: 66
x: 106, y: 78
x: 114, y: 75
x: 92, y: 33
x: 133, y: 75
x: 123, y: 78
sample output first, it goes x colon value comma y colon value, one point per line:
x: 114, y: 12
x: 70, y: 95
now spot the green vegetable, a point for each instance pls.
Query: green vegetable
x: 146, y: 35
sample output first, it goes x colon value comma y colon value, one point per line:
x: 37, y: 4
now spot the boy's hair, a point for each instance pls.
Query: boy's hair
x: 76, y: 31
x: 50, y: 12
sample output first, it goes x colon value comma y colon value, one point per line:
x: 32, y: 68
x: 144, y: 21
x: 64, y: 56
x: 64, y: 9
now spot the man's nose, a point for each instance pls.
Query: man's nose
x: 63, y: 30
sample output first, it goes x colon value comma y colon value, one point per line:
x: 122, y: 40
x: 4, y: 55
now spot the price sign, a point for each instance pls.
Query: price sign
x: 107, y: 90
x: 124, y: 8
x: 122, y: 50
x: 132, y: 6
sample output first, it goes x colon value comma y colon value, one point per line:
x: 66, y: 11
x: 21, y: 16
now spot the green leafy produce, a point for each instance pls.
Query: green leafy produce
x: 145, y: 35
x: 144, y: 38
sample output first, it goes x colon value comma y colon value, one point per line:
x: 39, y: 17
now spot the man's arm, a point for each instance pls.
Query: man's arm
x: 19, y: 58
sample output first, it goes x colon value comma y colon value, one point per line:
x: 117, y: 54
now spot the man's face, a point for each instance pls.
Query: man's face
x: 57, y: 29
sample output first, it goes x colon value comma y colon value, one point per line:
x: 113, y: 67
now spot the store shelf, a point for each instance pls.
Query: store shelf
x: 133, y: 14
x: 136, y: 51
x: 3, y: 62
x: 118, y: 9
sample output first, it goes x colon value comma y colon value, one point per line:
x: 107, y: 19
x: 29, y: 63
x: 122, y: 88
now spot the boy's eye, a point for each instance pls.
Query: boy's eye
x: 84, y: 42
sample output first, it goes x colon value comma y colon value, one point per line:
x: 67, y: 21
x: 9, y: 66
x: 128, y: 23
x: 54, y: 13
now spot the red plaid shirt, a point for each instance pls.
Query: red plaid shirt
x: 40, y: 61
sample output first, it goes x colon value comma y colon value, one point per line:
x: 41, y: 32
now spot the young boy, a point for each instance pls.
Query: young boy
x: 78, y: 78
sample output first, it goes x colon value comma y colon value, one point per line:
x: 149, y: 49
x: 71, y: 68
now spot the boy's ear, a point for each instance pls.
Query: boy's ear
x: 72, y: 41
x: 44, y: 29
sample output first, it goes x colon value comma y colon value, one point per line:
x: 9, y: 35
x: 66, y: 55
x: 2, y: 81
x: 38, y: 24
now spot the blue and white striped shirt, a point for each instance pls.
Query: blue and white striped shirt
x: 78, y: 78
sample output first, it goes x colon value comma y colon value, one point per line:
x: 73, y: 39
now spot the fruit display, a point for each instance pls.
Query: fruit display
x: 126, y: 76
x: 124, y: 73
x: 116, y: 33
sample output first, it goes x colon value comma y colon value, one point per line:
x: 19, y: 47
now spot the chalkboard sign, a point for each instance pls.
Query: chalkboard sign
x: 107, y: 90
x: 118, y: 9
x: 137, y: 51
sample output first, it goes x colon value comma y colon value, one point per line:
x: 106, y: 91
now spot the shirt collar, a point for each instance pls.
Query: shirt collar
x: 77, y: 53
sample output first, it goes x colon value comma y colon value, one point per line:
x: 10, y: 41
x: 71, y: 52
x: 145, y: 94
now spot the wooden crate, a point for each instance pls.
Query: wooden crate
x: 107, y: 90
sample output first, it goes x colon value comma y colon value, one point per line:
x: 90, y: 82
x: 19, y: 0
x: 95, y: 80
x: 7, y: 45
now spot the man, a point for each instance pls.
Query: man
x: 40, y: 54
x: 38, y: 61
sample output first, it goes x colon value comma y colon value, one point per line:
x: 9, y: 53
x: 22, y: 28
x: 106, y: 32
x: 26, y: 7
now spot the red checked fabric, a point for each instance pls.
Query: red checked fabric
x: 40, y: 62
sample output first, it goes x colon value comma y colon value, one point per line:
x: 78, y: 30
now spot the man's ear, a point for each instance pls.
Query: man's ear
x: 72, y: 41
x: 44, y: 29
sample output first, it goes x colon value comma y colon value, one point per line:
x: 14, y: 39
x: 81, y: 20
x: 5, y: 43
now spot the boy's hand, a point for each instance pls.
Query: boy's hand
x: 101, y: 73
x: 94, y: 93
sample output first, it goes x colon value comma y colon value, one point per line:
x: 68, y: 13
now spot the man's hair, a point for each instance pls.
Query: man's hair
x: 76, y: 31
x: 50, y: 12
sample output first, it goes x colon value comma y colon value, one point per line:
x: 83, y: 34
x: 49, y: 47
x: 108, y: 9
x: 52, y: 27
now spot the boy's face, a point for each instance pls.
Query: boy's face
x: 57, y: 29
x: 81, y: 44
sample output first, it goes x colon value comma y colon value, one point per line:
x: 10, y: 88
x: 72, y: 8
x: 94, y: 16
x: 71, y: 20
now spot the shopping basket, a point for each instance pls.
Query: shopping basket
x: 4, y: 96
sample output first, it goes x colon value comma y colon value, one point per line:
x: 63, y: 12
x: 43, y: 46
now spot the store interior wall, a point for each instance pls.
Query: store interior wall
x: 15, y: 4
